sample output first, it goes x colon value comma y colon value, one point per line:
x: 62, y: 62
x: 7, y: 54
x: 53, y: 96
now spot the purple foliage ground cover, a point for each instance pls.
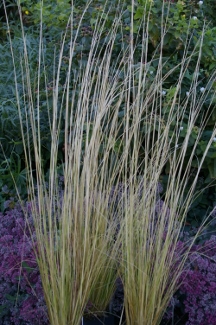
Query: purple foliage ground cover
x: 21, y: 294
x: 199, y: 284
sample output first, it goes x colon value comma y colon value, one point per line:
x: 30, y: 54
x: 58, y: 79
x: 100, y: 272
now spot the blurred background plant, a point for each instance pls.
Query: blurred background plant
x: 182, y: 26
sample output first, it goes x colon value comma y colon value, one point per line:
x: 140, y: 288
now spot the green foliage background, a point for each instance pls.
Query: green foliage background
x: 183, y: 22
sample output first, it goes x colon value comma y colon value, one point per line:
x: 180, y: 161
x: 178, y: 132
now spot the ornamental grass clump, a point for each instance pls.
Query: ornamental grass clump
x: 119, y: 126
x: 76, y: 251
x: 151, y: 263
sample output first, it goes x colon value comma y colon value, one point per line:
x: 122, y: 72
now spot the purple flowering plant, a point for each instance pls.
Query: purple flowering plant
x: 199, y: 284
x: 195, y: 301
x: 21, y: 294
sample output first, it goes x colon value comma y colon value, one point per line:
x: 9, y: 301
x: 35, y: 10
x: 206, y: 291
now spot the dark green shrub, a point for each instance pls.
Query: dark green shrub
x: 182, y: 28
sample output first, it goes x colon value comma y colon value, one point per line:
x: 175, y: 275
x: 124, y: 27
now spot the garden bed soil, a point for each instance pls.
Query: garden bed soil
x: 106, y: 319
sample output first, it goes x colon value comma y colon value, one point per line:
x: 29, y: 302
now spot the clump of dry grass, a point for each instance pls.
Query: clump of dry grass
x: 76, y: 251
x: 151, y: 261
